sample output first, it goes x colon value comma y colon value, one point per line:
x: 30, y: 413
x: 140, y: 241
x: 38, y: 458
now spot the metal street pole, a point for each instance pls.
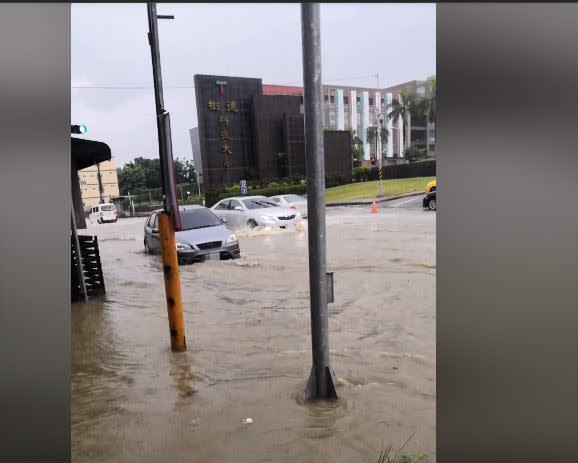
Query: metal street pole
x: 169, y: 216
x: 321, y: 384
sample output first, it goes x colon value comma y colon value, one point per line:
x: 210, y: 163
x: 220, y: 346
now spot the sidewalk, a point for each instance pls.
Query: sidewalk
x: 368, y: 202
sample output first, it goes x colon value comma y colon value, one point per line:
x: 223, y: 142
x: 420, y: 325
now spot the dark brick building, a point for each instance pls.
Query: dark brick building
x: 244, y: 134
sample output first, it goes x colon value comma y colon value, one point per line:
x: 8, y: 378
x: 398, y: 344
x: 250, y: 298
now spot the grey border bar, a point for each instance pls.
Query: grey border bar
x: 35, y: 241
x: 507, y: 232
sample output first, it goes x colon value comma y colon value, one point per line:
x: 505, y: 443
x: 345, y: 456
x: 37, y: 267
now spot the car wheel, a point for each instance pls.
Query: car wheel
x: 432, y: 205
x: 147, y: 247
x: 252, y: 224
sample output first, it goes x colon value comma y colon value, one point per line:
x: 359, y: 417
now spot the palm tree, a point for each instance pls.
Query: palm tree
x: 372, y: 134
x: 404, y: 108
x: 428, y: 104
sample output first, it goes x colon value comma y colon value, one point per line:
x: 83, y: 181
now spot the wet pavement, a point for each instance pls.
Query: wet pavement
x: 249, y: 354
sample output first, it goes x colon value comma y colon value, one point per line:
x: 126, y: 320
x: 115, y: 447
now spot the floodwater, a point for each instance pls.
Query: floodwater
x: 249, y: 354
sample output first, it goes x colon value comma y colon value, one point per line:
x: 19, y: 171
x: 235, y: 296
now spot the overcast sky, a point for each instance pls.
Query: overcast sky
x: 109, y: 48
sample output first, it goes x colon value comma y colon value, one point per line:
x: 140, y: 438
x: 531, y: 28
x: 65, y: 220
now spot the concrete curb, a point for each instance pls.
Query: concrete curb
x: 368, y: 202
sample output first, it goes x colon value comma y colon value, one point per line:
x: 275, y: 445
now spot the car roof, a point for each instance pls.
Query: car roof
x: 243, y: 197
x: 186, y: 207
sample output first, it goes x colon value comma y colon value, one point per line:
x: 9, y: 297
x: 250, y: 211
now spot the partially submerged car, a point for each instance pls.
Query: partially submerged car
x: 294, y: 202
x: 255, y: 211
x: 203, y: 236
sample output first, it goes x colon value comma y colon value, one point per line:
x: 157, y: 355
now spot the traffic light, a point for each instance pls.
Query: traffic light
x: 78, y: 129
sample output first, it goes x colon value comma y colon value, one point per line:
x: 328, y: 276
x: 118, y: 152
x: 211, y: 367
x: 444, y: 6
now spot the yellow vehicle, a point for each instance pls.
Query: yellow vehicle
x: 431, y: 186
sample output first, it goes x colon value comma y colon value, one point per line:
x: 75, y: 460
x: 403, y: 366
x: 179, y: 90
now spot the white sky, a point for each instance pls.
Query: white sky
x: 109, y: 48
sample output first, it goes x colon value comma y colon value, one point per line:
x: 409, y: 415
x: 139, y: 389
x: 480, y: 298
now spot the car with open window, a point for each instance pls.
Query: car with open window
x: 203, y: 236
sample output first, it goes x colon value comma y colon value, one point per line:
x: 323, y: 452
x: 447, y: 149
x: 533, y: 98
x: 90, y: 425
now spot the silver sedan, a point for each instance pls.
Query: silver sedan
x: 255, y: 211
x: 294, y: 202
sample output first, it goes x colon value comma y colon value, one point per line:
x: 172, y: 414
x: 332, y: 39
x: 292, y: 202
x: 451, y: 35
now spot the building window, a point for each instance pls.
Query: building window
x: 346, y: 100
x: 382, y: 102
x: 432, y: 148
x: 370, y: 101
x: 301, y: 99
x: 358, y: 100
x: 332, y: 99
x: 326, y: 98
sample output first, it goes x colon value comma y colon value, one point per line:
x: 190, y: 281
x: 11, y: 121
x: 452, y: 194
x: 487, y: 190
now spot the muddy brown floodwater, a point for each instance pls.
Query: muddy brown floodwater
x: 249, y: 348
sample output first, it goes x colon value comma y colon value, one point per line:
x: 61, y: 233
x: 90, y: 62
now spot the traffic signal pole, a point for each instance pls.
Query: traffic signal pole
x: 321, y: 384
x: 169, y: 219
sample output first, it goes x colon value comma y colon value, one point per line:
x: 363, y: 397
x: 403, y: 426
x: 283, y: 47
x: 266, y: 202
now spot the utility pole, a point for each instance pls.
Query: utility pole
x: 169, y: 219
x: 321, y: 384
x: 100, y: 188
x: 131, y: 204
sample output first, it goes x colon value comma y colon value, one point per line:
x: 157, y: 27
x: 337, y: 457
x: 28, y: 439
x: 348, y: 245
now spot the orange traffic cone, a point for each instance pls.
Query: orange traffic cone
x: 374, y: 208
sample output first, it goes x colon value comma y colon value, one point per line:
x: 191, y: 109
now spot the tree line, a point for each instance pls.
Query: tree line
x: 142, y: 174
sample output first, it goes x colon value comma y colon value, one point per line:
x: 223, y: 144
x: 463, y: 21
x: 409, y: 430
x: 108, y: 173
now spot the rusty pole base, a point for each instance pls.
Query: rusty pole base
x: 172, y: 283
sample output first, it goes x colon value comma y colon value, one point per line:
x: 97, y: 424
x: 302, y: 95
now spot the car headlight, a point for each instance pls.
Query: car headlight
x: 267, y: 218
x: 231, y: 239
x: 182, y: 247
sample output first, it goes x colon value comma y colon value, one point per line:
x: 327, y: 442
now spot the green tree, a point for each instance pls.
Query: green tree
x: 372, y: 134
x: 357, y: 148
x: 145, y: 174
x: 405, y: 107
x: 428, y: 104
x: 414, y: 153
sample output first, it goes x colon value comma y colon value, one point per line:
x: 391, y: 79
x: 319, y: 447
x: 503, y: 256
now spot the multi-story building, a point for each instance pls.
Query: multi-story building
x: 245, y: 133
x: 423, y: 133
x: 90, y: 184
x: 358, y: 108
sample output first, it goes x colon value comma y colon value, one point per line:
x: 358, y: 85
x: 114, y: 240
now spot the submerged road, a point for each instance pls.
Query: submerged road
x: 249, y: 354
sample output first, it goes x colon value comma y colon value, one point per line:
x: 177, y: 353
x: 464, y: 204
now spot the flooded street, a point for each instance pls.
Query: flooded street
x: 249, y: 348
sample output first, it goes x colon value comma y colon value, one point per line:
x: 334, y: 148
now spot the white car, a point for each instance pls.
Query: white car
x: 103, y: 213
x: 255, y: 211
x: 294, y: 202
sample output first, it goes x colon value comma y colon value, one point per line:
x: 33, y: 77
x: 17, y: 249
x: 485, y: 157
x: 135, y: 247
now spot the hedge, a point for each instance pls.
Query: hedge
x: 411, y: 170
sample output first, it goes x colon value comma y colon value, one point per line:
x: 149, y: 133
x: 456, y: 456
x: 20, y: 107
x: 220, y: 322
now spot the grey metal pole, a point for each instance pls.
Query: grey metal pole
x: 78, y: 257
x: 321, y: 384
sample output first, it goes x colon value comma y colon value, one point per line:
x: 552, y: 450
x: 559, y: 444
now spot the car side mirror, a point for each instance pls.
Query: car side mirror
x: 224, y: 220
x: 155, y: 231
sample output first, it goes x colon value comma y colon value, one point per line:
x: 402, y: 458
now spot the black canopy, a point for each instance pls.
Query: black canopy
x: 86, y: 153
